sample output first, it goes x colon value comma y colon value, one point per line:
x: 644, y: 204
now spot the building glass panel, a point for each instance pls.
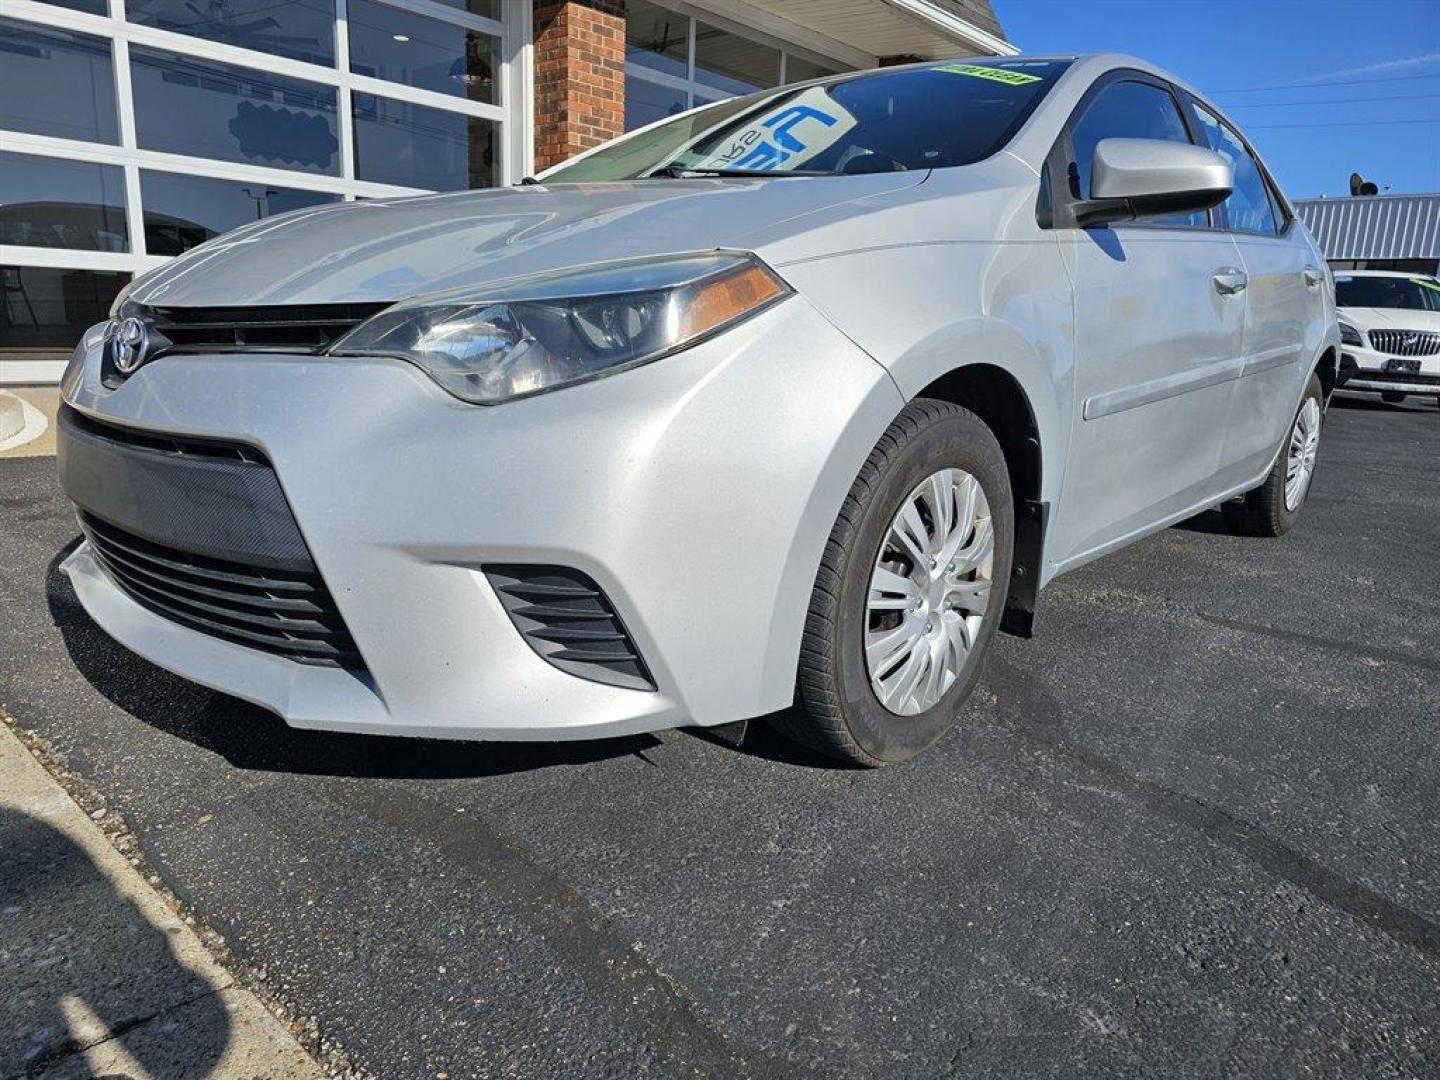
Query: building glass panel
x: 55, y: 82
x: 90, y: 7
x: 656, y: 38
x: 55, y: 203
x: 45, y: 310
x: 431, y: 54
x: 182, y: 211
x: 798, y: 69
x: 646, y: 102
x: 733, y: 64
x: 299, y: 29
x: 204, y: 108
x: 417, y: 146
x: 486, y: 9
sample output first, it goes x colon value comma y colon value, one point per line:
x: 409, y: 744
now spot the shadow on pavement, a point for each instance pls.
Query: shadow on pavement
x: 83, y: 964
x: 250, y: 737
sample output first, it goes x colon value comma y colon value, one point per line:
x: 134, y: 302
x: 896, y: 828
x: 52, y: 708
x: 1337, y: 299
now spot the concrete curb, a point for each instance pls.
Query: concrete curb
x: 161, y: 1037
x: 23, y: 423
x: 12, y: 416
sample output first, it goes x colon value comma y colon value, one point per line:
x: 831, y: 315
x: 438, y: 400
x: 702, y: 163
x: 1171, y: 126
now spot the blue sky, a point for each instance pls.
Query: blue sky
x: 1261, y: 61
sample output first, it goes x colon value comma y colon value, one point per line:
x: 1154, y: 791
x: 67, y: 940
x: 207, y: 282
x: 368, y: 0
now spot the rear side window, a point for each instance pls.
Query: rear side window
x: 1250, y: 207
x: 1128, y: 110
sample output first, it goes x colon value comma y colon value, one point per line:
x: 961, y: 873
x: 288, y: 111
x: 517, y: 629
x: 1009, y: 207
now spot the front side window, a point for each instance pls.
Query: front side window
x: 1249, y: 207
x: 881, y: 121
x: 1410, y: 294
x: 1128, y: 110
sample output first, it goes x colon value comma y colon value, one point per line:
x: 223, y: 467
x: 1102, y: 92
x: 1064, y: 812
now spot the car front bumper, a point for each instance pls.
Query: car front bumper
x: 1366, y: 369
x: 697, y: 492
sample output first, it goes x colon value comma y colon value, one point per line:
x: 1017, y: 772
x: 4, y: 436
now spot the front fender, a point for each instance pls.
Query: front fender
x: 925, y: 310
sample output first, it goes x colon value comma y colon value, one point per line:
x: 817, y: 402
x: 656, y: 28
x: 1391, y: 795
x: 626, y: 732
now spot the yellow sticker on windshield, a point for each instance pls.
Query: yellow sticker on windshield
x: 1426, y: 283
x: 1000, y: 75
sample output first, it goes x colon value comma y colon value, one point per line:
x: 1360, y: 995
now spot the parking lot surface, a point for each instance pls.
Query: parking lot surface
x: 1190, y: 829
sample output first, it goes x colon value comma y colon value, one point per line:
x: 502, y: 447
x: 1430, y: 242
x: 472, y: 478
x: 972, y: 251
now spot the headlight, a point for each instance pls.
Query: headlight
x: 1350, y: 336
x: 540, y: 333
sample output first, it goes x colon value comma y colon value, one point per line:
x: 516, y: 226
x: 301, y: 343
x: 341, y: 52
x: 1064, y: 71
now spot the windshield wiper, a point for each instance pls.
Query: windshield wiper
x: 679, y: 172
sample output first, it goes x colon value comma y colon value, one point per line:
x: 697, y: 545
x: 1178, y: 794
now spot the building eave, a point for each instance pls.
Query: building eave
x: 952, y: 24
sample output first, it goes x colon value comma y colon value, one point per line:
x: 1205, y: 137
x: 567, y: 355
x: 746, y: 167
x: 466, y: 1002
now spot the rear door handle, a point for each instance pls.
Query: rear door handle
x: 1313, y: 277
x: 1230, y: 280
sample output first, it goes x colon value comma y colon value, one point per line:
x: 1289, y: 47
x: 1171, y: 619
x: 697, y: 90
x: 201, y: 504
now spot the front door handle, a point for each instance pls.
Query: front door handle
x: 1313, y: 277
x: 1230, y: 280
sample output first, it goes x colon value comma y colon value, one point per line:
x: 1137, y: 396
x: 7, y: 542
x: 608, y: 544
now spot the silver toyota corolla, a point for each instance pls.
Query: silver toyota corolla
x: 794, y: 399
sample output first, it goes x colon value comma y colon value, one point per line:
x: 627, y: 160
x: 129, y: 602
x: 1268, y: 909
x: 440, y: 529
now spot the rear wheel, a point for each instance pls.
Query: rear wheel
x: 909, y: 592
x: 1274, y: 507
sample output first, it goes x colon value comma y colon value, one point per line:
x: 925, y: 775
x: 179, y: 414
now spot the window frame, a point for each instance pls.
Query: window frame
x: 1058, y: 212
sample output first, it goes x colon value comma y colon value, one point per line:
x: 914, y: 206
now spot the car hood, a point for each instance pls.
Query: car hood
x: 1373, y: 318
x: 388, y: 249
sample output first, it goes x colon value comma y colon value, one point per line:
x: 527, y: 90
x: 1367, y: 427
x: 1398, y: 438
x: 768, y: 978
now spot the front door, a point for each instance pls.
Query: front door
x: 1159, y: 311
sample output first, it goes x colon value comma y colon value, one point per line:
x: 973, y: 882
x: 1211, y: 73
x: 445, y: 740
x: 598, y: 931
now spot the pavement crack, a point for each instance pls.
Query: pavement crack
x: 46, y: 1059
x: 1368, y: 652
x: 637, y: 993
x: 1025, y: 707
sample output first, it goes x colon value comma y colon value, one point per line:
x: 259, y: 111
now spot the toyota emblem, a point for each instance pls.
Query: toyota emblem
x: 131, y: 341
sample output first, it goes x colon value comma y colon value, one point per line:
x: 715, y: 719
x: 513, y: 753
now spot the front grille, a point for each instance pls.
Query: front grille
x: 568, y: 619
x: 284, y: 612
x: 307, y: 328
x: 1406, y: 342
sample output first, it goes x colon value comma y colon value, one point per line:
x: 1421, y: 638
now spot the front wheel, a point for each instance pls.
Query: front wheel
x: 1274, y: 507
x: 910, y: 590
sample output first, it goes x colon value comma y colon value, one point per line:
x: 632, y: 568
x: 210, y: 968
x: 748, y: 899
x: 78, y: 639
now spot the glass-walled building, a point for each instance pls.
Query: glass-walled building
x: 132, y: 130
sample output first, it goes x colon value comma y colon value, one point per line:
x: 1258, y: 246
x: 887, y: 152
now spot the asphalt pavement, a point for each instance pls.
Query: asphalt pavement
x: 1190, y: 829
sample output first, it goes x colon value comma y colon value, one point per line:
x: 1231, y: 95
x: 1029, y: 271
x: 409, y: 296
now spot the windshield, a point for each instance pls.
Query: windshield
x: 880, y: 121
x: 1415, y: 294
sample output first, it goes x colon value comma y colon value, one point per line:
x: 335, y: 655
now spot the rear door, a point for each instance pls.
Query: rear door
x: 1284, y: 304
x: 1157, y: 337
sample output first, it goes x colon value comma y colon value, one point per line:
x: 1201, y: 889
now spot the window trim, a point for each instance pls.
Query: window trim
x: 1052, y: 212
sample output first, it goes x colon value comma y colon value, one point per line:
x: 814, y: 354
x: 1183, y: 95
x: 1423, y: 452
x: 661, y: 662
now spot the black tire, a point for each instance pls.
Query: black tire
x: 1392, y: 397
x: 837, y: 711
x: 1262, y: 512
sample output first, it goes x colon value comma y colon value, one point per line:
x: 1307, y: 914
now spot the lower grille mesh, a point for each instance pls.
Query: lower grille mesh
x: 568, y: 620
x: 284, y: 612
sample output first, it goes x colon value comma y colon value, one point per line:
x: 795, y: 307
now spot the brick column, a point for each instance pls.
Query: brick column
x: 579, y: 76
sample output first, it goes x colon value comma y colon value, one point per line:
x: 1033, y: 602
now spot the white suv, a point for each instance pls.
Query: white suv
x: 1390, y: 333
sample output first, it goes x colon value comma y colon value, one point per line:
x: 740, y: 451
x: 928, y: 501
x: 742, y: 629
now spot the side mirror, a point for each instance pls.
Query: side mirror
x: 1139, y: 177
